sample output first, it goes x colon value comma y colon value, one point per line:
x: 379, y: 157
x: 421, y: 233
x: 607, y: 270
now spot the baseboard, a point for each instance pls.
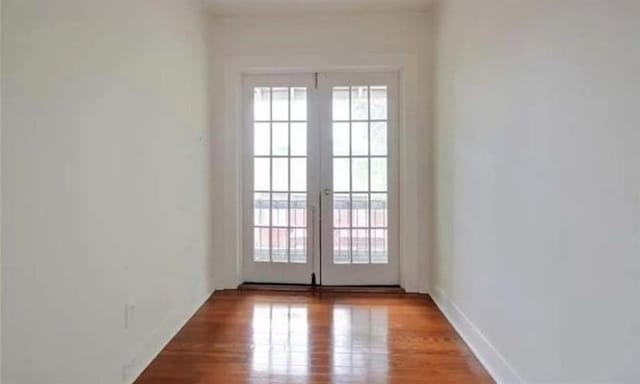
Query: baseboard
x: 161, y: 337
x: 497, y: 366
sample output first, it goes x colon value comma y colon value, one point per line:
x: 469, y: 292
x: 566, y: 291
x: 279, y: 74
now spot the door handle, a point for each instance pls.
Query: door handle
x: 327, y: 191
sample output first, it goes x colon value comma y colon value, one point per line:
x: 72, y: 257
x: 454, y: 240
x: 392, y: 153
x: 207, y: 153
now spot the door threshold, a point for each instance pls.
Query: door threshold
x: 395, y: 289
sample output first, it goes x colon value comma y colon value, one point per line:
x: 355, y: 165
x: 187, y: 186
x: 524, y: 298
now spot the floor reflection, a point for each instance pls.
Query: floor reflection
x: 360, y: 344
x: 280, y: 336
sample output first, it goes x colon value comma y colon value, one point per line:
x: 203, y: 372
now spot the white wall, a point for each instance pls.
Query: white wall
x: 105, y: 184
x: 322, y: 43
x: 538, y: 185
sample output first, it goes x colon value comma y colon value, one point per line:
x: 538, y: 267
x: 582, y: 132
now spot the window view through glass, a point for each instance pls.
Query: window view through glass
x: 280, y: 174
x: 360, y: 162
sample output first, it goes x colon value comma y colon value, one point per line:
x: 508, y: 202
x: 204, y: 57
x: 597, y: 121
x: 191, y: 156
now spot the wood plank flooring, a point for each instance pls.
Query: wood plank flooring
x: 302, y: 337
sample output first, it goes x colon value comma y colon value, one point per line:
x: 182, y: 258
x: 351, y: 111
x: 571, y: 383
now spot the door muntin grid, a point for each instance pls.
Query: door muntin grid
x: 360, y: 174
x: 280, y: 162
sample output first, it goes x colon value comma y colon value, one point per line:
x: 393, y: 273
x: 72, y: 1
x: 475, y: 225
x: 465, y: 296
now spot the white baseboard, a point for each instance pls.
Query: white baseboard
x: 162, y: 335
x: 497, y: 366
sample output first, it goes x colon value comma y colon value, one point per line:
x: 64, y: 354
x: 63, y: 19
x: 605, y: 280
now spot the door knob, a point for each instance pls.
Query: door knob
x: 327, y: 191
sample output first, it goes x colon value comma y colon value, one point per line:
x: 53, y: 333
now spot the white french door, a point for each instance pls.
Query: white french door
x: 320, y: 179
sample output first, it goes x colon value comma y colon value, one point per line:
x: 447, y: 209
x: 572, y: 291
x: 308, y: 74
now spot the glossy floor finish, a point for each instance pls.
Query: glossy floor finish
x: 298, y: 337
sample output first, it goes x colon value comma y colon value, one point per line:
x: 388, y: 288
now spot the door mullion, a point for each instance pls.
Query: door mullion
x: 270, y: 234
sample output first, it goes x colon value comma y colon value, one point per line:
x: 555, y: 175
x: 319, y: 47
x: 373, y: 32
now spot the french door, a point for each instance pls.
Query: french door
x: 320, y: 179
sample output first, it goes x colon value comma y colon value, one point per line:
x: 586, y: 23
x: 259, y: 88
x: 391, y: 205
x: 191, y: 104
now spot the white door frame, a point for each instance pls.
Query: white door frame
x: 413, y: 156
x: 319, y: 178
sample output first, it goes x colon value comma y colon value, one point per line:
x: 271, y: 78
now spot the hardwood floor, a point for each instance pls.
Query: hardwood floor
x: 298, y: 337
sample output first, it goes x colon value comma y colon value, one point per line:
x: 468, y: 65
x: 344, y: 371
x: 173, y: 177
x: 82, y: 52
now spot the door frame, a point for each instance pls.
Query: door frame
x: 319, y: 207
x: 414, y: 155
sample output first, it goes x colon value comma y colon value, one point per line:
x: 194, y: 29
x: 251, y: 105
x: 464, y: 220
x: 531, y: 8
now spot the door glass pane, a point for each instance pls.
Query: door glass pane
x: 379, y: 138
x: 359, y: 139
x: 341, y: 139
x: 299, y: 104
x: 261, y: 248
x: 378, y: 103
x: 280, y: 139
x: 261, y: 139
x: 360, y: 174
x: 379, y: 246
x: 280, y: 180
x: 341, y: 103
x: 359, y: 103
x: 298, y: 241
x: 360, y: 210
x: 261, y: 179
x: 279, y: 245
x: 379, y: 210
x: 341, y: 210
x: 261, y: 104
x: 280, y: 104
x: 280, y: 174
x: 360, y: 167
x: 261, y: 208
x: 298, y: 174
x: 342, y: 246
x: 341, y: 175
x: 298, y: 139
x: 379, y: 174
x: 280, y: 209
x: 298, y: 210
x: 360, y: 246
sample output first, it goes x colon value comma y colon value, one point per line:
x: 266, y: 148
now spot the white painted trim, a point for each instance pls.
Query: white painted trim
x: 161, y: 336
x: 493, y: 361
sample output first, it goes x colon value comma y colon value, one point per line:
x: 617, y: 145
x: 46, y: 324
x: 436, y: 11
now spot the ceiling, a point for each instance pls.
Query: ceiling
x: 312, y: 7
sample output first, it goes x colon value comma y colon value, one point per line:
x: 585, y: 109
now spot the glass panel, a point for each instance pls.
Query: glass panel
x: 360, y: 246
x: 279, y: 209
x: 298, y: 209
x: 280, y: 104
x: 360, y: 174
x: 360, y: 139
x: 341, y: 210
x: 379, y: 174
x: 261, y: 207
x: 341, y: 246
x: 360, y: 210
x: 261, y: 174
x: 280, y: 139
x: 341, y: 103
x: 341, y: 175
x: 298, y: 174
x: 279, y: 245
x: 379, y: 139
x: 261, y: 244
x: 298, y: 139
x: 298, y: 241
x: 261, y: 139
x: 379, y: 210
x: 378, y: 103
x: 261, y: 105
x: 359, y: 103
x: 379, y: 246
x: 280, y: 174
x: 341, y: 139
x: 299, y: 104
